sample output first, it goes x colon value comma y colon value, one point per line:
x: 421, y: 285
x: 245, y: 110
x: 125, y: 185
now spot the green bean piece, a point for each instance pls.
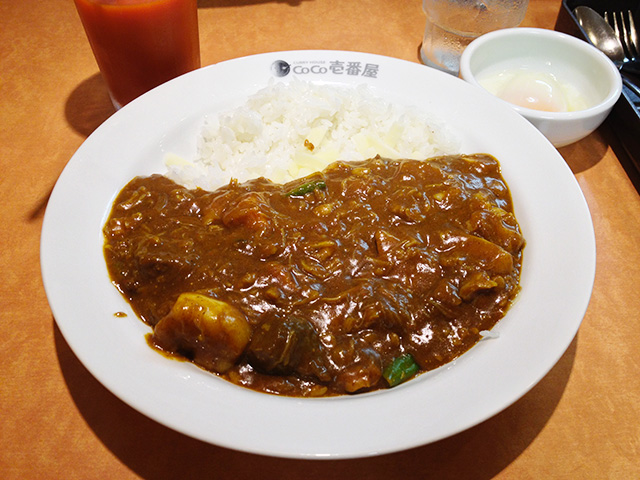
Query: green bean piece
x: 307, y: 188
x: 400, y: 370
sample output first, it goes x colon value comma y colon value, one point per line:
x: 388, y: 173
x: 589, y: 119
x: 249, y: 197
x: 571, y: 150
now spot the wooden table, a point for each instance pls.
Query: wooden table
x: 56, y: 421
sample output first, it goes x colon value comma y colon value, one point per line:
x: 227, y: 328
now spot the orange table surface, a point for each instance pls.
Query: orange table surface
x: 581, y: 421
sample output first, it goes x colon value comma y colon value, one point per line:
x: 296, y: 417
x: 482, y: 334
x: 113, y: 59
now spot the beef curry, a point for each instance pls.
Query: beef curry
x: 349, y: 280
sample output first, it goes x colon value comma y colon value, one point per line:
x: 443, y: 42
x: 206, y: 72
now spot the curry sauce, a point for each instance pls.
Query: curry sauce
x: 316, y: 287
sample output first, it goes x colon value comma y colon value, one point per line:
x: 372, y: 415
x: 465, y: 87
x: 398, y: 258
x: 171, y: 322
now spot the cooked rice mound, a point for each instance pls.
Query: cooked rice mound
x: 289, y: 130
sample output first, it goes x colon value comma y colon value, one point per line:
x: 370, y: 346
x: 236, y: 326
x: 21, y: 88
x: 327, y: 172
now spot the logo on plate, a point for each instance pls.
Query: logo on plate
x: 280, y: 68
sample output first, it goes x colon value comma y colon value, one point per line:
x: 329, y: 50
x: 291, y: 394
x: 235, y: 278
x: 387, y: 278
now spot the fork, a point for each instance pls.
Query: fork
x: 625, y: 29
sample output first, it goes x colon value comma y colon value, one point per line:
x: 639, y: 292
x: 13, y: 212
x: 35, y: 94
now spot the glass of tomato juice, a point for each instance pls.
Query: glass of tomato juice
x: 140, y: 44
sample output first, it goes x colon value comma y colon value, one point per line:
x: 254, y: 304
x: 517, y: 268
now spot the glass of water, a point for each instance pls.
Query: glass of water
x: 453, y: 24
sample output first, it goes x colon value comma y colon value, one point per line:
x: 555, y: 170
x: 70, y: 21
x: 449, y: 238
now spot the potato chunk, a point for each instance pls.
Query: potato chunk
x: 211, y: 333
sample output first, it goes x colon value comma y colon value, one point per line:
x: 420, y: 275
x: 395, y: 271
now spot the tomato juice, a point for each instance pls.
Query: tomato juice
x: 139, y: 44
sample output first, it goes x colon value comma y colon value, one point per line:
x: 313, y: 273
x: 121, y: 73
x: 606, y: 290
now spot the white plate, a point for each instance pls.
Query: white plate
x: 557, y: 275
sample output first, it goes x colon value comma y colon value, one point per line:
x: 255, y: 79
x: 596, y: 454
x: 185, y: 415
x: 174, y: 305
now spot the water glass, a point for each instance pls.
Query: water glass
x: 453, y: 24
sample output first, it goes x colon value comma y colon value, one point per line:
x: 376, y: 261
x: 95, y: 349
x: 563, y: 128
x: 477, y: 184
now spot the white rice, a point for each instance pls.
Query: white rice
x: 266, y: 136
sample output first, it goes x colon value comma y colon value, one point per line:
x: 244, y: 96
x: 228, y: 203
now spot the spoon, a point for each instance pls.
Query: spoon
x: 604, y: 38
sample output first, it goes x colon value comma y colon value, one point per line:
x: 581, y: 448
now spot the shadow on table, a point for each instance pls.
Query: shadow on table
x: 88, y: 105
x: 156, y: 452
x: 86, y: 109
x: 582, y: 156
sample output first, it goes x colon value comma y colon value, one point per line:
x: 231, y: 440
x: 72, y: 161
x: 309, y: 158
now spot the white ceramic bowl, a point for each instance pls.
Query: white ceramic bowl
x: 577, y: 66
x: 135, y: 140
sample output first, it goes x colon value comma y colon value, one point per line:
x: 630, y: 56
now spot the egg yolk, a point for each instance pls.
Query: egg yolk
x: 534, y: 89
x: 538, y: 91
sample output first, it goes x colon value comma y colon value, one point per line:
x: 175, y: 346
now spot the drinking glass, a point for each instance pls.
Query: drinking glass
x: 140, y: 44
x: 453, y: 24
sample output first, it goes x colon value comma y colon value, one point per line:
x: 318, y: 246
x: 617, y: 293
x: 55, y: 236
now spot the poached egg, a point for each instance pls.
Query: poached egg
x: 534, y: 89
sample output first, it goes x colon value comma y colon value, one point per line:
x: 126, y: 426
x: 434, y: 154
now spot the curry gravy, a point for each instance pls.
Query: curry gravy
x: 315, y: 287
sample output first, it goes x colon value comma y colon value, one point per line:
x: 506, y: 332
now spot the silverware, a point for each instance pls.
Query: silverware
x: 603, y: 37
x: 624, y: 27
